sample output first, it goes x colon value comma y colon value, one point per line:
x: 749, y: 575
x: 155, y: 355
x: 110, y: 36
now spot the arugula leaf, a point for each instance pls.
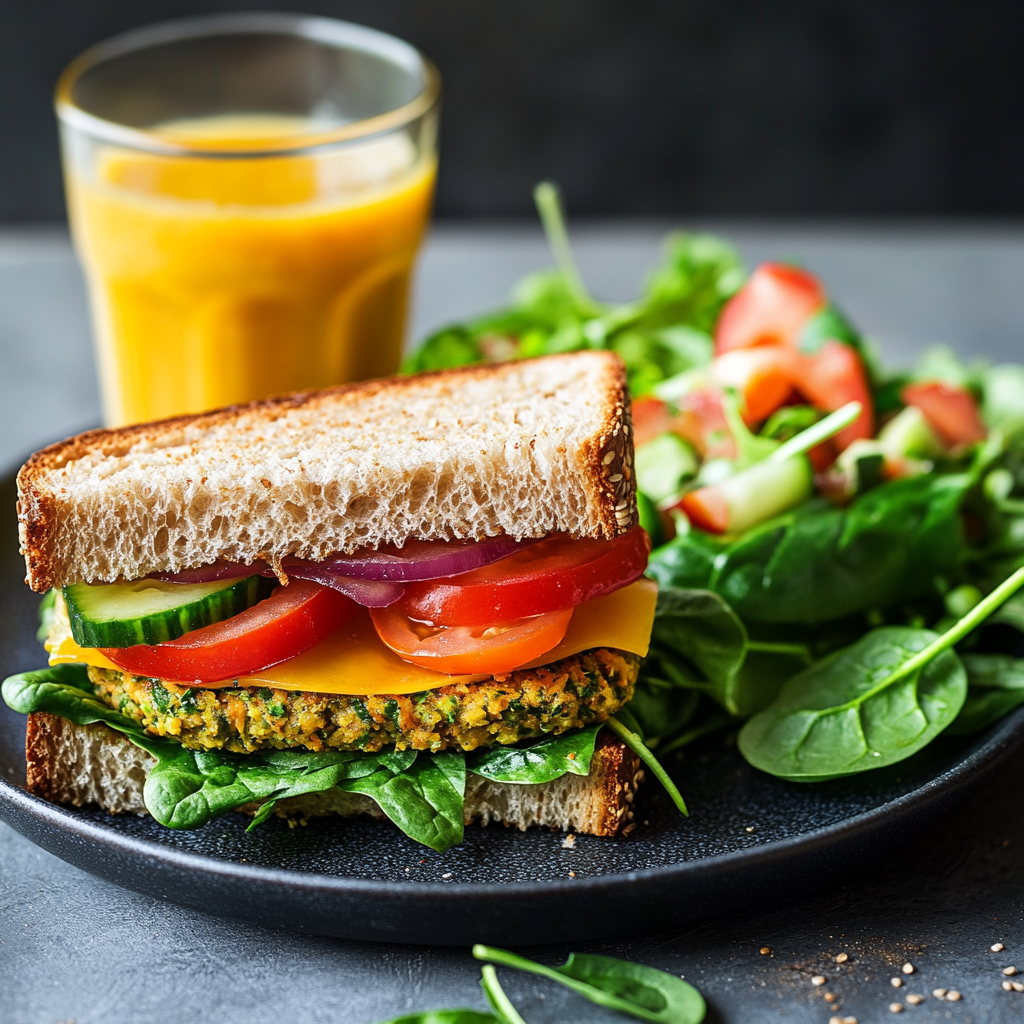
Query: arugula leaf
x: 819, y: 563
x: 995, y: 686
x: 636, y: 989
x: 425, y: 800
x: 541, y: 761
x: 852, y: 711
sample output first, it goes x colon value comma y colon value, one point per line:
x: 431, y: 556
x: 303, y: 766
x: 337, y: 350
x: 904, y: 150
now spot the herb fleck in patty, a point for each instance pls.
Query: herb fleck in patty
x: 568, y: 694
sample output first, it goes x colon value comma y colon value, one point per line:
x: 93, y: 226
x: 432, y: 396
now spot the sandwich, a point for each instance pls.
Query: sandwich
x: 420, y: 598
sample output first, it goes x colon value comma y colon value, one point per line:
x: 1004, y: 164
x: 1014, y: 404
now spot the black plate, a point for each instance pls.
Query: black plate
x: 750, y: 837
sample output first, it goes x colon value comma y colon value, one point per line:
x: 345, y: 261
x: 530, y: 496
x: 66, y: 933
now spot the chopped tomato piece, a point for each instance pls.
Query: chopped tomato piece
x: 770, y: 309
x: 469, y: 649
x: 290, y: 621
x: 701, y: 421
x: 651, y: 419
x: 707, y: 508
x: 833, y: 376
x: 950, y: 411
x: 556, y: 573
x: 763, y: 376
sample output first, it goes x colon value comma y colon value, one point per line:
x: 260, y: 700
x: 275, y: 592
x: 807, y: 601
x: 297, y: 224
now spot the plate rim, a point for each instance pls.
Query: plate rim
x: 1004, y: 738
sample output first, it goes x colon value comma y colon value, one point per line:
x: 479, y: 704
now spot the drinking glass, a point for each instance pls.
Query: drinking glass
x: 247, y: 195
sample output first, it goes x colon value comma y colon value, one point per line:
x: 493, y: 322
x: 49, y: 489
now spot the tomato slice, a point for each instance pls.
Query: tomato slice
x: 470, y: 649
x: 556, y: 573
x: 770, y: 309
x: 833, y: 376
x: 707, y: 508
x: 950, y: 411
x: 651, y: 419
x: 763, y: 376
x: 701, y: 421
x: 290, y: 621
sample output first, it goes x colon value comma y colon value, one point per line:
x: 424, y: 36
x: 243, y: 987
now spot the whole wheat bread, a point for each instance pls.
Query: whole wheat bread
x: 525, y: 449
x: 82, y: 764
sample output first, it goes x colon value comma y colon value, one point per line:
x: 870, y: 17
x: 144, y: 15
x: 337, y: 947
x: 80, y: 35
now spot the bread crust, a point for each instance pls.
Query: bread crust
x: 83, y: 764
x: 606, y: 464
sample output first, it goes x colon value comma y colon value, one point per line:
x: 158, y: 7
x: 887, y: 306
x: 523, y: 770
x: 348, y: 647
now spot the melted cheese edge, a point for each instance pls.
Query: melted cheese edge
x: 354, y: 661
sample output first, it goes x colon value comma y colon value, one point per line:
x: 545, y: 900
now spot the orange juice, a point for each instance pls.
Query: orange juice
x: 216, y: 279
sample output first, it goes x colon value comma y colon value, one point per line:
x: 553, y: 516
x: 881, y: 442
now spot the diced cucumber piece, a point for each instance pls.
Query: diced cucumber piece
x: 765, y: 490
x: 153, y: 612
x: 907, y: 435
x: 663, y: 466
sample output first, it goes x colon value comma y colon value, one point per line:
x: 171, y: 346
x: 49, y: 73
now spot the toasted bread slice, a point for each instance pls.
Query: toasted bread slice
x: 82, y: 764
x: 523, y: 449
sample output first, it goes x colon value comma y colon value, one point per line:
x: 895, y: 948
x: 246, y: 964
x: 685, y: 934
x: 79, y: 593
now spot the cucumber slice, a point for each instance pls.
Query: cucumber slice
x: 152, y: 612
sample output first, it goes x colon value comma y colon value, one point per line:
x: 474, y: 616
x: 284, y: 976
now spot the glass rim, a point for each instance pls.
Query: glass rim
x: 330, y: 31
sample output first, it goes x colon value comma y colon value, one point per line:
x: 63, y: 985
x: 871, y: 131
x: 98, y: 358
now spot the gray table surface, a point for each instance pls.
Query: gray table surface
x: 101, y: 955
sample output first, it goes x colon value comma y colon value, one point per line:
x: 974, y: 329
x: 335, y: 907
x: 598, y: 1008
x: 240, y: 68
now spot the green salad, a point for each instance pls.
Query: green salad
x: 838, y: 545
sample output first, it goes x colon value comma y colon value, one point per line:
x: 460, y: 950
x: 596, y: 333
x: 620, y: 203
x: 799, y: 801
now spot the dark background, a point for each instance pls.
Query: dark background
x: 816, y: 107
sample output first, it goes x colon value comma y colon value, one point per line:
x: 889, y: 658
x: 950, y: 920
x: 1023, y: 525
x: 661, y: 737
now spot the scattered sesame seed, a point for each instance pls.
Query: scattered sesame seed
x: 1009, y: 970
x: 915, y: 999
x: 447, y: 874
x: 835, y: 1020
x: 997, y: 947
x: 818, y: 979
x: 953, y: 996
x: 939, y: 993
x: 896, y: 982
x: 907, y: 968
x: 572, y: 874
x: 842, y: 958
x: 849, y: 1020
x: 1015, y: 985
x: 765, y: 950
x: 895, y: 1007
x: 829, y: 998
x: 749, y: 828
x: 569, y: 841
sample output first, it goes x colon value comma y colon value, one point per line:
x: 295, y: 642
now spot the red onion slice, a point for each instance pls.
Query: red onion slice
x: 375, y: 579
x: 368, y: 593
x: 423, y: 559
x: 212, y: 573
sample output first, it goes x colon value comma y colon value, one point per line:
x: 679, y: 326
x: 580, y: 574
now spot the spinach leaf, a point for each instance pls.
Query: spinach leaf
x: 819, y: 563
x: 699, y: 626
x: 495, y: 994
x: 422, y: 794
x: 65, y: 690
x: 640, y: 991
x: 425, y: 800
x: 660, y: 708
x: 995, y: 686
x: 541, y: 761
x: 446, y: 1017
x: 854, y: 710
x: 190, y: 787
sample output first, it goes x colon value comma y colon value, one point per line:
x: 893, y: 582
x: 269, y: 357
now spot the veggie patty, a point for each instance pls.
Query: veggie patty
x: 567, y: 694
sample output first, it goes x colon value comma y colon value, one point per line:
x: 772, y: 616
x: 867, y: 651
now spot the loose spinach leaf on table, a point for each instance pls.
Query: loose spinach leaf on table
x: 820, y: 563
x: 541, y: 761
x: 636, y: 989
x: 995, y: 686
x: 445, y: 1017
x: 848, y: 713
